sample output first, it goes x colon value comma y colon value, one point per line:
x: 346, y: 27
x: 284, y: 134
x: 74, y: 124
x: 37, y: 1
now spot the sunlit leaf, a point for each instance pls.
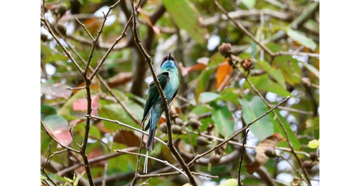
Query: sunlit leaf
x: 206, y: 97
x: 249, y: 3
x: 301, y: 38
x: 115, y: 112
x: 66, y: 109
x: 230, y: 94
x: 314, y: 144
x: 55, y: 57
x: 252, y: 109
x: 187, y: 17
x: 81, y: 104
x: 58, y: 127
x: 224, y: 121
x: 230, y: 182
x: 275, y: 73
x: 260, y: 159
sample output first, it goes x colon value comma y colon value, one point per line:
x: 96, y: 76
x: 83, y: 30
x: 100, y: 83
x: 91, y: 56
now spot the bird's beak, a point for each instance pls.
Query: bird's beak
x: 169, y: 57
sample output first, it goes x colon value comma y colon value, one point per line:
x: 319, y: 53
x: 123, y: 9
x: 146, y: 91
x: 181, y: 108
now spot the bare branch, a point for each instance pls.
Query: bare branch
x: 242, y: 151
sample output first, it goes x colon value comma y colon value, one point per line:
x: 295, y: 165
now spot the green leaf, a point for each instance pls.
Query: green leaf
x: 275, y: 73
x: 230, y: 94
x: 314, y: 144
x: 55, y: 57
x: 115, y: 112
x: 289, y: 68
x: 301, y: 38
x: 229, y: 182
x: 224, y: 121
x: 249, y: 3
x: 207, y: 97
x: 311, y: 69
x: 264, y: 83
x: 187, y: 17
x: 252, y: 109
x: 47, y: 110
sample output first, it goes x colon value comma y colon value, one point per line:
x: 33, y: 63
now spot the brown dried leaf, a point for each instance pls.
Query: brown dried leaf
x: 119, y: 79
x: 128, y: 138
x: 261, y: 158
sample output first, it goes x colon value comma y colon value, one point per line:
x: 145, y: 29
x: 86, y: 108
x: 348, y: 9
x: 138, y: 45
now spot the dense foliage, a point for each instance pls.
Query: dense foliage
x: 232, y: 71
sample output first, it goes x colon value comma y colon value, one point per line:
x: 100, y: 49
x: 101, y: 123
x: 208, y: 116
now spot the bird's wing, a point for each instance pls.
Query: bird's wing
x: 153, y: 92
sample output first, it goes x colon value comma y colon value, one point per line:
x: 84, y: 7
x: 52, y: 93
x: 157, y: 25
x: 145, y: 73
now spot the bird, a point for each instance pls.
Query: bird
x: 169, y: 81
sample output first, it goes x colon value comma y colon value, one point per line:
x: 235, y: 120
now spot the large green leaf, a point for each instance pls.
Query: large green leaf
x: 230, y: 94
x: 187, y: 17
x: 252, y: 109
x: 275, y: 73
x: 301, y: 38
x: 311, y: 69
x: 67, y: 108
x: 264, y: 83
x: 115, y: 112
x: 224, y: 121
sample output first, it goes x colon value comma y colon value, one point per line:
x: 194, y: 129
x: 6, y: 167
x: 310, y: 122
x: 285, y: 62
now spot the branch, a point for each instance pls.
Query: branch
x: 236, y: 133
x: 242, y: 151
x: 164, y: 101
x: 159, y: 160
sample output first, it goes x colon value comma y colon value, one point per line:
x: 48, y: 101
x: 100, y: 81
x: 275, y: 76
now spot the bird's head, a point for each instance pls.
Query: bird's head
x: 168, y: 63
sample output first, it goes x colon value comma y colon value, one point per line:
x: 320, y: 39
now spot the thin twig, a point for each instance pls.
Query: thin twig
x: 236, y: 133
x: 125, y: 125
x: 123, y: 34
x: 175, y: 173
x: 76, y: 88
x: 87, y: 31
x: 242, y: 151
x: 292, y: 166
x: 162, y: 95
x: 156, y: 159
x: 137, y: 173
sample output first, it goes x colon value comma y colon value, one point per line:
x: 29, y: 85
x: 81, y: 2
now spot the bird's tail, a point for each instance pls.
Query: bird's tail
x: 146, y: 161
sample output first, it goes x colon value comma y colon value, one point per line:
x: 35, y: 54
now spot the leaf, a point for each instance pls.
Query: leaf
x: 260, y: 159
x: 314, y: 144
x: 249, y: 3
x: 58, y: 127
x: 301, y: 38
x: 186, y: 70
x: 78, y: 178
x: 126, y: 137
x: 116, y: 112
x: 66, y: 109
x: 224, y: 121
x: 223, y: 75
x: 289, y: 68
x: 120, y: 79
x: 230, y: 94
x: 188, y: 18
x: 207, y: 97
x: 311, y: 69
x: 253, y: 109
x: 55, y: 89
x: 81, y: 104
x: 148, y: 21
x: 205, y: 74
x: 47, y: 110
x: 55, y: 57
x: 229, y: 182
x: 264, y: 83
x: 275, y: 73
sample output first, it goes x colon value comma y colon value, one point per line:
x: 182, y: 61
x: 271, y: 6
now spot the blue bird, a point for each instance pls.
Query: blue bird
x: 169, y: 81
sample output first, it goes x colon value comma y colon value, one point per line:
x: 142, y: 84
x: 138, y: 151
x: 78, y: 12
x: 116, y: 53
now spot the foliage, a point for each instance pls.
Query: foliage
x: 214, y: 98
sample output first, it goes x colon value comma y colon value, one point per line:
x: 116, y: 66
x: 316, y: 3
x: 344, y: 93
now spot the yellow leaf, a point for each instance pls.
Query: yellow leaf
x: 314, y: 143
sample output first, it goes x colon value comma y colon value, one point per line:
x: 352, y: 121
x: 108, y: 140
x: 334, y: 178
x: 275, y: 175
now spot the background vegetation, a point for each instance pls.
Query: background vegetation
x: 237, y: 60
